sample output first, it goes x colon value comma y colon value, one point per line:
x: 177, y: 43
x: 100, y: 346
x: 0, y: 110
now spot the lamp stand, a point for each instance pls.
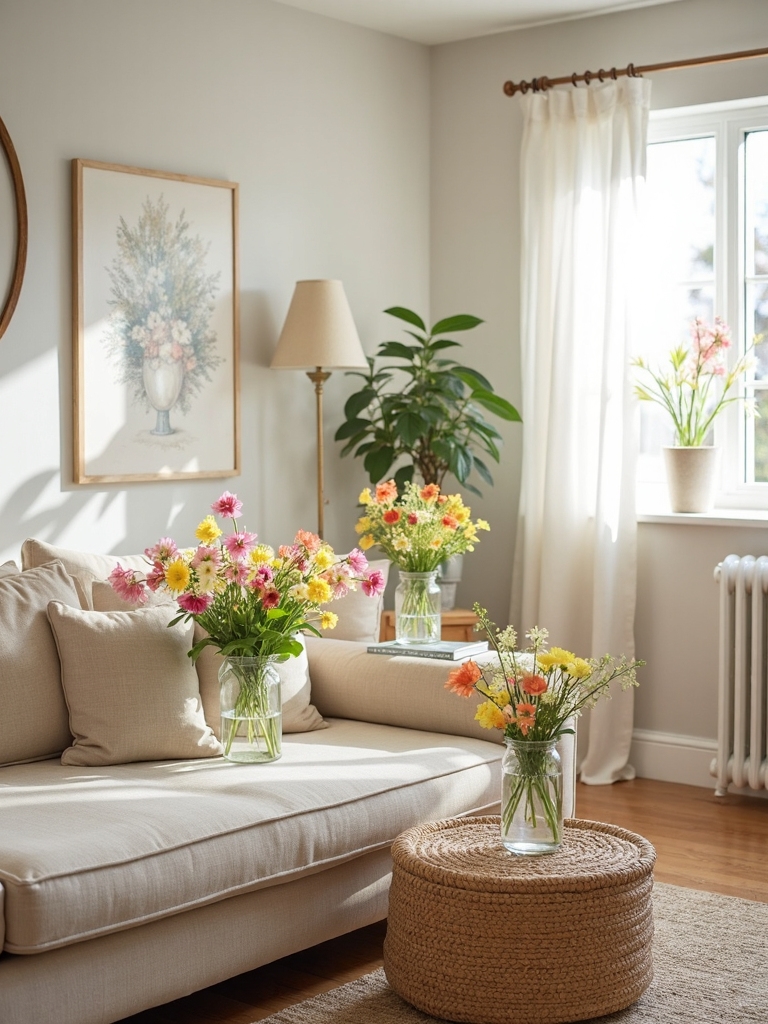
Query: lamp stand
x: 318, y: 378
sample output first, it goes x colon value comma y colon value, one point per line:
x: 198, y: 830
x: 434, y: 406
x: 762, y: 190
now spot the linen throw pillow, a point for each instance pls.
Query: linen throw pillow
x: 359, y: 615
x: 82, y: 566
x: 9, y: 569
x: 34, y: 723
x: 131, y: 690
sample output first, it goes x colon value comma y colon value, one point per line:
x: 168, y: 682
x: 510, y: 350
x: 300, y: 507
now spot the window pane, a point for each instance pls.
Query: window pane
x: 760, y: 426
x: 757, y: 327
x: 756, y: 163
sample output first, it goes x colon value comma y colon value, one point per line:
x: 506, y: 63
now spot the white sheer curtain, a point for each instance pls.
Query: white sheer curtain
x: 582, y: 169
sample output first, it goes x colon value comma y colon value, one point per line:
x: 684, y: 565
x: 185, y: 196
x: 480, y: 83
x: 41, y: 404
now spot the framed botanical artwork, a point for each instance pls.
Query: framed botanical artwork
x: 155, y: 325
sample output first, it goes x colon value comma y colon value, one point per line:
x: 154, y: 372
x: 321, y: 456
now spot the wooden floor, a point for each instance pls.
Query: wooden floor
x: 702, y: 842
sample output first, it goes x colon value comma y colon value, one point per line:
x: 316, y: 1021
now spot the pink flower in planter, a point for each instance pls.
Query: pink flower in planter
x: 236, y: 572
x: 156, y: 576
x: 206, y: 554
x: 239, y: 544
x: 196, y: 604
x: 357, y: 560
x: 270, y: 598
x: 228, y: 506
x: 163, y: 551
x: 373, y: 583
x: 126, y: 585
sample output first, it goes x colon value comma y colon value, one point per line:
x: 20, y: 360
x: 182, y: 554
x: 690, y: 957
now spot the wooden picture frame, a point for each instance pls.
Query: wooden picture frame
x: 156, y: 375
x: 9, y: 295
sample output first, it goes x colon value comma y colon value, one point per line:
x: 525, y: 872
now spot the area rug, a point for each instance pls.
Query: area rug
x: 710, y: 958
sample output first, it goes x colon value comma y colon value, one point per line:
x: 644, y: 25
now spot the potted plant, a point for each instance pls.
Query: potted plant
x: 425, y: 412
x: 694, y: 391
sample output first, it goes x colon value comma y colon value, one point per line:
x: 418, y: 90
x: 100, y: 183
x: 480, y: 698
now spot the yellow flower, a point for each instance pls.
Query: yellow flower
x: 324, y: 558
x: 319, y: 591
x: 481, y: 524
x: 328, y: 620
x: 261, y: 554
x: 401, y: 543
x: 207, y: 531
x: 462, y: 514
x: 177, y: 576
x: 489, y: 716
x: 578, y: 668
x: 367, y: 542
x: 436, y: 542
x: 276, y: 563
x: 365, y: 498
x: 554, y: 657
x: 363, y: 525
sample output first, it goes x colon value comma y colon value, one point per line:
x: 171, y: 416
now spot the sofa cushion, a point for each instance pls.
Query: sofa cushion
x: 86, y: 852
x: 131, y: 690
x: 9, y: 569
x: 83, y: 566
x: 33, y: 713
x: 360, y: 615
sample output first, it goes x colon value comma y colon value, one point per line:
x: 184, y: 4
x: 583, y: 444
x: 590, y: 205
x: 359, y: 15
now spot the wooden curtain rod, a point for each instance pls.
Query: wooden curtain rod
x: 544, y: 83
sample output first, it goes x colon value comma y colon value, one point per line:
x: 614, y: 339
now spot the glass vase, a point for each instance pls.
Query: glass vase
x: 251, y: 713
x: 531, y: 797
x: 417, y: 609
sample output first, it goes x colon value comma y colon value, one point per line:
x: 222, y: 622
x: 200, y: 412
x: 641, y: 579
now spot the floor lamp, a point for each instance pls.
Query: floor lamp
x: 319, y: 335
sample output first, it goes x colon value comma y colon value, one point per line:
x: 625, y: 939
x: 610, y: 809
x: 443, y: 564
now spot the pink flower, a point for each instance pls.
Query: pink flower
x: 126, y: 585
x: 196, y: 604
x: 310, y: 541
x: 156, y: 577
x: 357, y: 560
x: 239, y: 544
x: 339, y: 587
x: 164, y: 550
x: 373, y: 583
x: 236, y: 572
x: 261, y: 578
x: 270, y: 598
x: 228, y: 506
x: 206, y: 554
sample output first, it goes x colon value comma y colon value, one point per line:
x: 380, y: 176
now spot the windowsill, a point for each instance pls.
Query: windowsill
x: 715, y: 517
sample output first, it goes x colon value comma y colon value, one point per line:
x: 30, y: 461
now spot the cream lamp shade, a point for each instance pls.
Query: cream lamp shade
x: 318, y: 330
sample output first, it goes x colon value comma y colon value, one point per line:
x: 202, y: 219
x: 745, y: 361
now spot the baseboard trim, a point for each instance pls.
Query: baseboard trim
x: 673, y: 757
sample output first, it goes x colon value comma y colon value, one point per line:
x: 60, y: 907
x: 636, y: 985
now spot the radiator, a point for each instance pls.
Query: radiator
x: 742, y: 708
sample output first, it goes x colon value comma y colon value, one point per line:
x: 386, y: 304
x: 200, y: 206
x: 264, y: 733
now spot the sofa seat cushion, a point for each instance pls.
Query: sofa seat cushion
x: 89, y: 851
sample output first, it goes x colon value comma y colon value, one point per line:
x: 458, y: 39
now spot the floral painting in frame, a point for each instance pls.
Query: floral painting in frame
x: 155, y: 324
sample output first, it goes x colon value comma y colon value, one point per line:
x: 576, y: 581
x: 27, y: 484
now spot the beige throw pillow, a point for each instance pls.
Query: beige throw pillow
x: 359, y: 615
x: 33, y: 714
x: 82, y: 566
x: 9, y: 569
x: 131, y: 690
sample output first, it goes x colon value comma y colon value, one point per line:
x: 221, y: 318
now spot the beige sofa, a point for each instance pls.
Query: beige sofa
x: 125, y: 886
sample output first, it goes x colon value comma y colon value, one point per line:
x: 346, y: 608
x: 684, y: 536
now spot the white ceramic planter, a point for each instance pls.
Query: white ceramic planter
x: 691, y: 475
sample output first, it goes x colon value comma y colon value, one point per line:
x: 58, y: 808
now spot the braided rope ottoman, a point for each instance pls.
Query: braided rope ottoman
x: 477, y: 934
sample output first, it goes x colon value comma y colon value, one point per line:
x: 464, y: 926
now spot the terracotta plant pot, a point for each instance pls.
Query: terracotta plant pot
x: 691, y: 474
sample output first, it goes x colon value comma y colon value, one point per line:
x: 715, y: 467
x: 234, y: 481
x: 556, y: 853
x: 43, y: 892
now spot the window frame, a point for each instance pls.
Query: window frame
x: 728, y: 122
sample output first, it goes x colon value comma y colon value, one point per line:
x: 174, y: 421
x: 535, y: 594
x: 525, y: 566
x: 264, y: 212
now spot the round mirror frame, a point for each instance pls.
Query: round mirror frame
x: 21, y: 229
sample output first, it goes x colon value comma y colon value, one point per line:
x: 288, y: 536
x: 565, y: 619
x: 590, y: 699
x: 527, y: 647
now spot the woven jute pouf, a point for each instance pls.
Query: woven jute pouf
x: 477, y: 934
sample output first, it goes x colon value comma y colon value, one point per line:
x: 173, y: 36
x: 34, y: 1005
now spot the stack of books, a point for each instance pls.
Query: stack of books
x: 444, y: 650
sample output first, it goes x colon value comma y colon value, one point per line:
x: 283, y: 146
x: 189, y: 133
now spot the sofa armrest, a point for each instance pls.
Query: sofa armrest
x: 2, y: 917
x: 347, y: 682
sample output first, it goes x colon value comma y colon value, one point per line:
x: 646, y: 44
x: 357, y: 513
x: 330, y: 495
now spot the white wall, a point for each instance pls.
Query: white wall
x: 476, y: 135
x: 326, y: 128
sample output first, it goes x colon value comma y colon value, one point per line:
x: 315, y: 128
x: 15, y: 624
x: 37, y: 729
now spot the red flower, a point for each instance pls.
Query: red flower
x: 429, y: 493
x: 412, y: 519
x: 451, y: 522
x: 270, y: 598
x: 534, y: 685
x: 392, y: 515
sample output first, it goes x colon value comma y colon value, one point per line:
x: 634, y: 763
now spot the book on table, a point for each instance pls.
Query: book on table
x: 444, y: 650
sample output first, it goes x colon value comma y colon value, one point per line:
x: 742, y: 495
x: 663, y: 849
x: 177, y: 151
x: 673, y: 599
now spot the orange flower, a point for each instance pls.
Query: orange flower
x: 534, y: 685
x: 526, y: 715
x: 451, y: 522
x: 392, y: 515
x: 462, y: 680
x: 386, y: 492
x: 311, y: 541
x: 429, y: 493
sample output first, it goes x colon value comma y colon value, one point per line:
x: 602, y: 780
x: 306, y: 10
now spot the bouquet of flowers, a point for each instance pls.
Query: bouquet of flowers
x: 531, y: 695
x: 688, y: 390
x: 250, y: 599
x: 418, y: 529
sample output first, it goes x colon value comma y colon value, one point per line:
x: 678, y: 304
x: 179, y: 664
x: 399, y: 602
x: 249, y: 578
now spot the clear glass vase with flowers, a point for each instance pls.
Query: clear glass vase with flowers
x: 532, y: 696
x: 251, y: 601
x: 417, y: 530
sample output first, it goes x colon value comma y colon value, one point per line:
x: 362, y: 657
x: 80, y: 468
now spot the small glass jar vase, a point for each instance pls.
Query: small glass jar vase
x: 531, y: 797
x: 251, y: 712
x: 417, y: 609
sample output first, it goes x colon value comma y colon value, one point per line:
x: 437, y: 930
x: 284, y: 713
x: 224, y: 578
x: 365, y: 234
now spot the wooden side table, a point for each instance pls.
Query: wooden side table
x: 457, y: 624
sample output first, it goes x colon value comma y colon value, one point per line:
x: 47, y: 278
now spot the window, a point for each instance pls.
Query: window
x: 707, y: 237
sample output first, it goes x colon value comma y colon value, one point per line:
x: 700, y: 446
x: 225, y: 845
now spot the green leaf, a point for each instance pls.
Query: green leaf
x: 378, y: 462
x: 496, y: 404
x: 473, y: 378
x: 461, y: 463
x: 443, y: 450
x: 356, y: 403
x: 483, y: 470
x: 352, y: 442
x: 403, y: 476
x: 397, y: 350
x: 435, y: 346
x: 462, y: 322
x: 276, y: 613
x: 351, y: 427
x: 472, y: 488
x: 410, y: 426
x: 408, y: 315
